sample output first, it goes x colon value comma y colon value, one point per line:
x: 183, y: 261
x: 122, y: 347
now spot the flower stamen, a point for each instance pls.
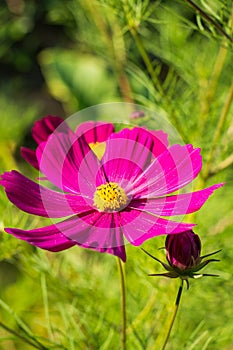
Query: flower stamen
x: 110, y: 197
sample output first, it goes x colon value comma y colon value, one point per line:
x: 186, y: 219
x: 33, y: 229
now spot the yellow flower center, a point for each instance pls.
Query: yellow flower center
x: 110, y: 197
x: 98, y: 148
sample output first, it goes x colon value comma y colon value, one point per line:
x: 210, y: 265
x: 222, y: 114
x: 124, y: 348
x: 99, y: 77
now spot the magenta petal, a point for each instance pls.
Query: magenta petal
x: 41, y: 130
x: 121, y: 171
x: 102, y: 232
x: 117, y: 251
x: 30, y: 156
x: 48, y: 238
x: 160, y: 141
x: 131, y: 145
x: 172, y: 170
x: 35, y: 199
x: 175, y: 205
x: 76, y: 230
x: 126, y: 158
x: 155, y: 141
x: 98, y: 231
x: 63, y: 160
x: 129, y: 153
x: 117, y: 240
x: 137, y: 227
x: 45, y: 127
x: 95, y: 131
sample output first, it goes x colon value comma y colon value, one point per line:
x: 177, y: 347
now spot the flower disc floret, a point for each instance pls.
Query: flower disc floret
x: 110, y: 197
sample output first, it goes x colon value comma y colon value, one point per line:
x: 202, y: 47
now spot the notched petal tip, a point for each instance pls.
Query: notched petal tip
x: 45, y: 127
x: 29, y: 156
x: 4, y: 177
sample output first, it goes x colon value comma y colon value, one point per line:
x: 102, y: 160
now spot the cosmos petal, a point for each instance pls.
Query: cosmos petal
x: 130, y: 145
x: 126, y: 158
x: 77, y: 231
x: 160, y: 141
x: 139, y: 226
x: 41, y: 131
x: 30, y: 156
x: 48, y: 238
x: 120, y: 171
x: 129, y: 153
x: 175, y: 205
x: 102, y: 232
x: 95, y: 131
x: 38, y: 200
x: 117, y: 251
x: 172, y: 170
x: 96, y: 229
x: 45, y: 127
x: 63, y: 160
x: 155, y: 141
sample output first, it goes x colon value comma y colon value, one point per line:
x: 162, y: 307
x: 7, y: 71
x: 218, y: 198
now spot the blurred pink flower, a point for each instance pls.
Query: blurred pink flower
x: 42, y: 129
x: 112, y: 185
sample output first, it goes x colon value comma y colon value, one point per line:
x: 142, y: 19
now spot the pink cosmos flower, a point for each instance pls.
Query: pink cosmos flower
x: 110, y: 186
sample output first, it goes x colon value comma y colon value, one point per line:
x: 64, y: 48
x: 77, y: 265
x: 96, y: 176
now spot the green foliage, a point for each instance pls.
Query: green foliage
x: 14, y: 122
x: 78, y: 81
x: 173, y: 57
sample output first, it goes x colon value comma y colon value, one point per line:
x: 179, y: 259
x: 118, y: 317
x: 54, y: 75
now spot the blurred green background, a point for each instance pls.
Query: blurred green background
x: 173, y: 57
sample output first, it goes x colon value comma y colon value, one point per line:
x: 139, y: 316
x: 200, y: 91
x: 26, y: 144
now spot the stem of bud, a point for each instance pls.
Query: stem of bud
x: 177, y: 303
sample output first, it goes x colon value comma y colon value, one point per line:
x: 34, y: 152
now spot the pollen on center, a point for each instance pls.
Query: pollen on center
x: 110, y: 197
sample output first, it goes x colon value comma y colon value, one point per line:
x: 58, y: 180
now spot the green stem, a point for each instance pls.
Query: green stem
x: 156, y: 82
x: 147, y: 62
x: 213, y: 82
x: 217, y: 134
x: 123, y: 304
x: 209, y: 19
x: 46, y: 304
x: 11, y: 331
x: 114, y: 43
x: 209, y: 94
x: 222, y: 165
x: 177, y: 303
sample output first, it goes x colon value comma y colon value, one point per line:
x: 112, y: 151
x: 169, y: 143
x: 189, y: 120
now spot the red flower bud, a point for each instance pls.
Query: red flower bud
x: 183, y: 250
x: 137, y: 115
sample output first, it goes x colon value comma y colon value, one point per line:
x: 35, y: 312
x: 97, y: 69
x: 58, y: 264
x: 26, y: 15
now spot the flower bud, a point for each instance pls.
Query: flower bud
x: 137, y: 115
x: 183, y: 250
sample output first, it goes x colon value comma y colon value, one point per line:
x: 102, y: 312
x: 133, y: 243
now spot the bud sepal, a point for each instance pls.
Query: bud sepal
x: 185, y: 274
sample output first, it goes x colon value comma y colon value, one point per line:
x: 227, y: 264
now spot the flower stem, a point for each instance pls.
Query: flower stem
x: 23, y: 338
x: 46, y: 304
x: 209, y: 94
x: 123, y: 304
x: 114, y: 43
x: 209, y: 19
x: 177, y: 303
x: 219, y: 127
x: 156, y: 81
